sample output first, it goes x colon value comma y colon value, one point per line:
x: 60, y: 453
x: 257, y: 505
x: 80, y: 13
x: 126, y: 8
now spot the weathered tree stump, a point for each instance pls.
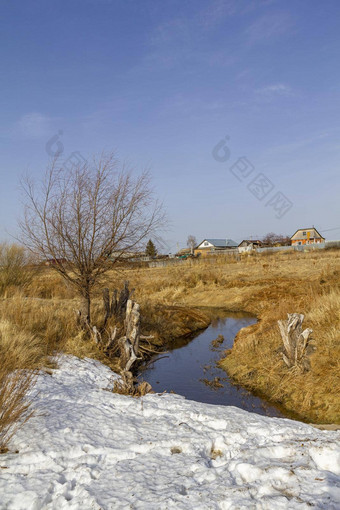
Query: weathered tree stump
x: 111, y: 340
x: 129, y: 343
x: 116, y: 307
x: 132, y: 324
x: 295, y: 341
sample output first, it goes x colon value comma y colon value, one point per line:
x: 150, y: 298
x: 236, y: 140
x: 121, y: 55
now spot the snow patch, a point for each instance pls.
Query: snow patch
x: 87, y: 448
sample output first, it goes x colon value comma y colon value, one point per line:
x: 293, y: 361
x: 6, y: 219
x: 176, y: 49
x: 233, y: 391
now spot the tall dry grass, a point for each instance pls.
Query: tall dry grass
x: 269, y: 286
x: 20, y: 355
x: 21, y: 352
x: 256, y: 361
x: 47, y: 308
x: 14, y: 267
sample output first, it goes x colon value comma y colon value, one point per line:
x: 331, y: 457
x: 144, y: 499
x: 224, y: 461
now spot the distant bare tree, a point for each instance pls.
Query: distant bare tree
x: 88, y: 218
x: 272, y: 239
x: 191, y: 243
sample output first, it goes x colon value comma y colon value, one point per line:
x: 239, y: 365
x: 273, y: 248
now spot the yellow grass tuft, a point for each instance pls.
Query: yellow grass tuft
x: 14, y: 269
x: 19, y: 355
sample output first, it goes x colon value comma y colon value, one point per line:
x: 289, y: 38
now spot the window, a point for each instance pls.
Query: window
x: 304, y: 233
x: 206, y: 243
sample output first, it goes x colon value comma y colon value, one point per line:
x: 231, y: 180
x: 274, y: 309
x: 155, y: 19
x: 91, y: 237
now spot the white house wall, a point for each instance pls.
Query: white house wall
x: 205, y: 244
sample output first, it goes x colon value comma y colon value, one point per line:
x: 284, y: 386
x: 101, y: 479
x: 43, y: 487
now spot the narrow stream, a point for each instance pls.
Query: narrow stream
x: 189, y: 368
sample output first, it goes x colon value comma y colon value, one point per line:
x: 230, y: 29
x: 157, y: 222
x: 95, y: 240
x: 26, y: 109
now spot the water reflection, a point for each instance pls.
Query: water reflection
x: 189, y: 368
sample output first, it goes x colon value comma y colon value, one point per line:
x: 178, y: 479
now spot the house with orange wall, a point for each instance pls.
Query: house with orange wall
x: 307, y: 236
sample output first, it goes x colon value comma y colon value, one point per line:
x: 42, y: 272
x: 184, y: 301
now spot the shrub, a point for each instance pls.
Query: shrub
x: 14, y: 269
x: 18, y: 356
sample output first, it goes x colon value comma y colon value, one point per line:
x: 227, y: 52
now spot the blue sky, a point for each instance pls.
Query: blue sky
x: 162, y: 82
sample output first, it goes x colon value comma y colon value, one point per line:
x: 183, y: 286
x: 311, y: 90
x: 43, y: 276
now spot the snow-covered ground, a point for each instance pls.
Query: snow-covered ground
x: 87, y: 448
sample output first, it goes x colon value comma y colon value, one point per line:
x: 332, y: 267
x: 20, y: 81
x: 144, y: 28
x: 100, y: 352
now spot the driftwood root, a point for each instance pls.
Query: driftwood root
x: 295, y: 342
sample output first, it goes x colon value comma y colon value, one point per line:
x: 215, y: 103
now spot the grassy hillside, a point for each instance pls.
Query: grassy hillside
x: 269, y: 286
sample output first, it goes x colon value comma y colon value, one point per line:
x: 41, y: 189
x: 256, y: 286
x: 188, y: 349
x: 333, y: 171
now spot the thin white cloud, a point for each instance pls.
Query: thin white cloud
x: 289, y: 147
x: 173, y: 30
x: 33, y: 125
x: 217, y: 12
x: 275, y: 89
x: 193, y: 107
x: 181, y: 39
x: 269, y: 26
x: 184, y: 39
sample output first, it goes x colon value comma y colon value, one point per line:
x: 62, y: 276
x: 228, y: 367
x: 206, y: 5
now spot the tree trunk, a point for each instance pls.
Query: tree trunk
x: 85, y: 309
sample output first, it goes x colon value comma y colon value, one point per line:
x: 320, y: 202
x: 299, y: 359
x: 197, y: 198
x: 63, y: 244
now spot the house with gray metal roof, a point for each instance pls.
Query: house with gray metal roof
x: 215, y: 245
x: 248, y: 245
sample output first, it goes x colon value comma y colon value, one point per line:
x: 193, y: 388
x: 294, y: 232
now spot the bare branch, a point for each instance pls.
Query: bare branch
x: 86, y: 219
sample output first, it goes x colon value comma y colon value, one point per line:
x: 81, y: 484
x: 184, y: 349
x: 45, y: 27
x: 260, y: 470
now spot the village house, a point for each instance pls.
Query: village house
x: 183, y: 251
x: 306, y: 236
x: 55, y: 262
x: 249, y: 245
x: 214, y: 245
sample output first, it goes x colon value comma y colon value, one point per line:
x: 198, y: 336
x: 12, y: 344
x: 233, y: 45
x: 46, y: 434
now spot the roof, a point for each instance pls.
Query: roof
x: 251, y: 241
x: 183, y: 251
x: 221, y: 243
x: 306, y: 229
x: 217, y: 242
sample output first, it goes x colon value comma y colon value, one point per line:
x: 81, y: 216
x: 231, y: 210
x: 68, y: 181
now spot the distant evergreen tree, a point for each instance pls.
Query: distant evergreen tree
x: 151, y: 250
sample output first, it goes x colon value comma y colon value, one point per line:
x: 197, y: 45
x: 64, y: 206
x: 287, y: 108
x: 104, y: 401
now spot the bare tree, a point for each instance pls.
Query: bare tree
x: 272, y: 239
x: 88, y: 218
x: 191, y: 243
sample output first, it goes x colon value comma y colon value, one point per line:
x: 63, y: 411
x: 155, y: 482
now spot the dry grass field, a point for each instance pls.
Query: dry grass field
x: 269, y: 286
x: 38, y: 320
x: 41, y: 313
